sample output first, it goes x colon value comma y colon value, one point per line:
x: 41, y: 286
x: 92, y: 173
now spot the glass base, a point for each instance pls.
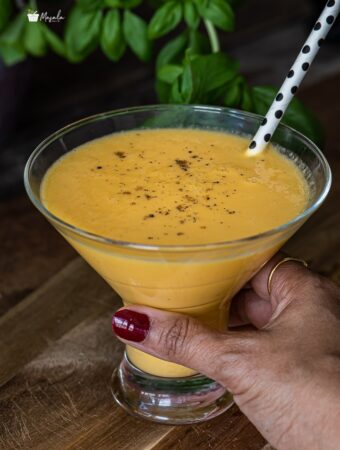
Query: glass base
x: 168, y: 400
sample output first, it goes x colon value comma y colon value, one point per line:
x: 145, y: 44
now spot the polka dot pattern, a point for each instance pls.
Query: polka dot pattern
x: 295, y: 76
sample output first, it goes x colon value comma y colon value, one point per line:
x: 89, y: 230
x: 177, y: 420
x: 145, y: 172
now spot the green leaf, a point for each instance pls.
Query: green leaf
x: 173, y: 51
x: 136, y: 35
x: 166, y: 18
x: 11, y: 54
x: 191, y: 15
x: 54, y: 41
x: 187, y: 86
x: 233, y: 95
x: 247, y: 103
x: 82, y: 33
x: 5, y: 13
x: 298, y: 116
x: 91, y: 5
x: 12, y: 48
x: 127, y: 4
x: 163, y: 91
x: 14, y: 31
x: 198, y: 43
x: 204, y: 74
x: 219, y: 12
x: 169, y: 73
x: 34, y: 39
x: 112, y: 40
x: 175, y: 93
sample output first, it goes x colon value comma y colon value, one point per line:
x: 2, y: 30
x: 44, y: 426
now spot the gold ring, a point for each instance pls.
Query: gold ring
x: 288, y: 258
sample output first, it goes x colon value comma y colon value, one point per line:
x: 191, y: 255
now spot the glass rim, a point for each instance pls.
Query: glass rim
x: 173, y: 247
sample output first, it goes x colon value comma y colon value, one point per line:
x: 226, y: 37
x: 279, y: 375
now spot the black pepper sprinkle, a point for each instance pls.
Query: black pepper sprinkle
x: 190, y: 199
x: 99, y: 167
x: 183, y: 164
x: 120, y: 155
x: 180, y: 234
x: 149, y: 216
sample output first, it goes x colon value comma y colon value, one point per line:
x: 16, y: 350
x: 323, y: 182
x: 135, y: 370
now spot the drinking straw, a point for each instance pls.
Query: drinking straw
x: 294, y: 77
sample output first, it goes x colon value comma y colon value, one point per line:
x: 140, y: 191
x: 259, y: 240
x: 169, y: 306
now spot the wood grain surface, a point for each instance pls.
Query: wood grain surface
x: 57, y: 352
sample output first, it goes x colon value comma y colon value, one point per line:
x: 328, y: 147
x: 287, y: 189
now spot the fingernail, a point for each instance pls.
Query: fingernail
x: 130, y: 325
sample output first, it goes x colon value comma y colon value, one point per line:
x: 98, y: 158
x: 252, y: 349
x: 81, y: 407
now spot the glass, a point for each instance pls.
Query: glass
x: 198, y: 280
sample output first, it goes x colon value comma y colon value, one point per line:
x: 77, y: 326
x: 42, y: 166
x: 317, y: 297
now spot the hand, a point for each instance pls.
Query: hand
x: 283, y: 370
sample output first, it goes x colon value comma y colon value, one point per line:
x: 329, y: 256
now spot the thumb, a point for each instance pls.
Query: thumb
x: 180, y: 339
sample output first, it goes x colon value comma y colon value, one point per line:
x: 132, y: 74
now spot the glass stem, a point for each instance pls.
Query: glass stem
x: 213, y: 36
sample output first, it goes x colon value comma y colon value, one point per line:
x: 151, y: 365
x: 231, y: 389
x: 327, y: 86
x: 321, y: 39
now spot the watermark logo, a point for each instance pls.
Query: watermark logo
x: 35, y: 16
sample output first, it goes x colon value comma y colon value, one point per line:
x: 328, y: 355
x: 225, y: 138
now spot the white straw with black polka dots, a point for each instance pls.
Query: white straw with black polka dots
x: 294, y: 77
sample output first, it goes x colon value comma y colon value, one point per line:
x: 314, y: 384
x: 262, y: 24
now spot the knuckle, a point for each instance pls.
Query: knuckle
x: 174, y: 338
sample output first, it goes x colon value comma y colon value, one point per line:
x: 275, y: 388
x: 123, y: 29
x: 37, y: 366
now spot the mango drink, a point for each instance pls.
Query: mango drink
x: 174, y: 187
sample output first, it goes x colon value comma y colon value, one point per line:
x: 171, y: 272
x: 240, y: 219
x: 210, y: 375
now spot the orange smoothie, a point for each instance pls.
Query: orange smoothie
x: 174, y: 187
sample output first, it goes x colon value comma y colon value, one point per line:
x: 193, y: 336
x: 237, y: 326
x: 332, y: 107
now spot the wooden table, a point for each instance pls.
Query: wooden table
x: 57, y: 352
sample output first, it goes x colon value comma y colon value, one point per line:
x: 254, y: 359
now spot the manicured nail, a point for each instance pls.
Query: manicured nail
x: 130, y: 325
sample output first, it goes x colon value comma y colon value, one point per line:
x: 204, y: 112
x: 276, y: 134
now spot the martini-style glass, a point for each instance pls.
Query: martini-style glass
x: 198, y: 280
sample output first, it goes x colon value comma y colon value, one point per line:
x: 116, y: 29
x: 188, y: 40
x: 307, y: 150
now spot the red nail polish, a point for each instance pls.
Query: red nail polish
x: 130, y: 325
